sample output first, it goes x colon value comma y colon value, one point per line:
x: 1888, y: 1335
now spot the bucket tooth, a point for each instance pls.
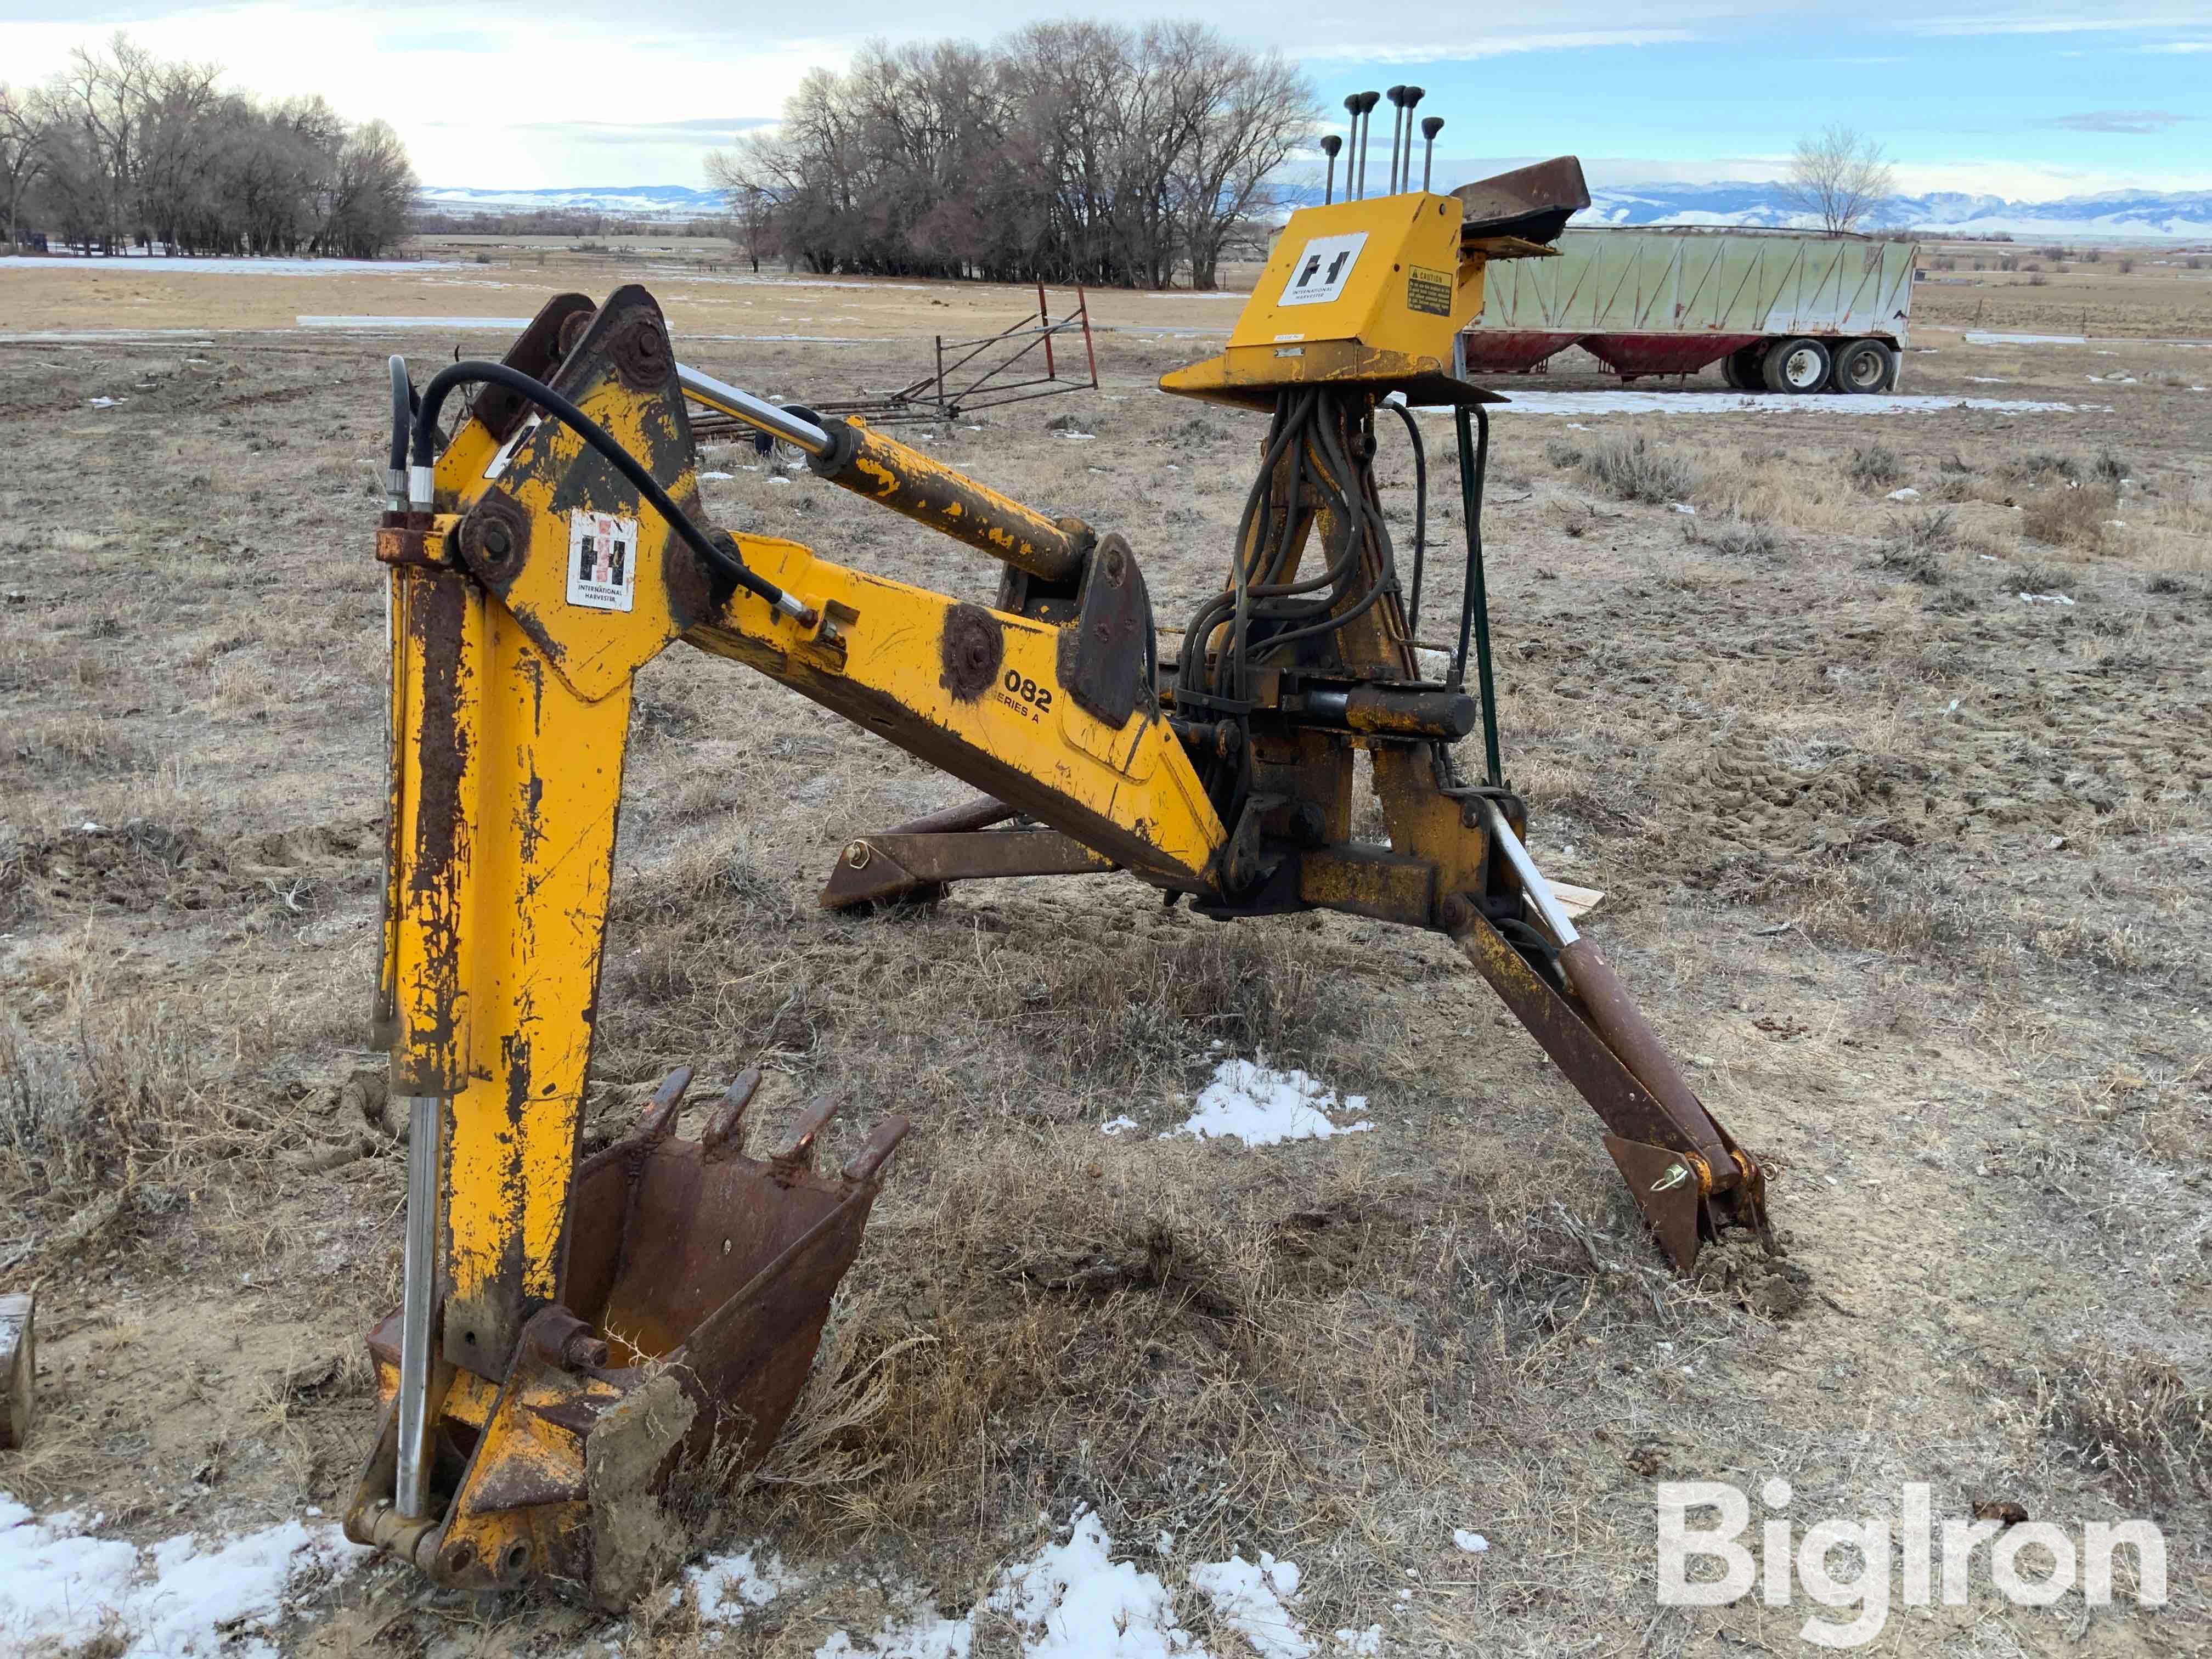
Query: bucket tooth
x: 661, y: 1111
x: 690, y: 1304
x: 725, y: 1132
x: 871, y: 1158
x: 801, y: 1155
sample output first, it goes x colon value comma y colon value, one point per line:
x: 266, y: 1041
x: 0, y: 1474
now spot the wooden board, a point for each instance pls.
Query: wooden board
x: 19, y: 1367
x: 1576, y: 902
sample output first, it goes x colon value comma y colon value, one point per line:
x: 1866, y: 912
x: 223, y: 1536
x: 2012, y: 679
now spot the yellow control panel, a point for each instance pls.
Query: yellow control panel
x: 1367, y: 291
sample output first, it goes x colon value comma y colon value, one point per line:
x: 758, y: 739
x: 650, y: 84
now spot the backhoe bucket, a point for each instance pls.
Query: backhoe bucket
x: 694, y: 1289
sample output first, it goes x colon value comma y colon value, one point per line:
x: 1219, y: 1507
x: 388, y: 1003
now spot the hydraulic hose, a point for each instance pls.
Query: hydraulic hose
x: 633, y: 470
x: 403, y: 416
x: 1420, y: 515
x: 1474, y: 596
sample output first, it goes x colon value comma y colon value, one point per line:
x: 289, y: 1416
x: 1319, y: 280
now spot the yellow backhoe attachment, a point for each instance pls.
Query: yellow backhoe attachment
x: 573, y: 1335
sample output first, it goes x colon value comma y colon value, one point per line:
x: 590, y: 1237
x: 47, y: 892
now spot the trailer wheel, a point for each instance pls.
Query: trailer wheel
x: 1740, y: 369
x: 1798, y: 366
x: 1864, y: 365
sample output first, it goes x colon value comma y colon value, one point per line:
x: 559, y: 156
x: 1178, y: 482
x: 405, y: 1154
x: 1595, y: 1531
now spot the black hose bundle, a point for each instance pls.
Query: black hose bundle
x: 425, y: 422
x: 1266, y: 610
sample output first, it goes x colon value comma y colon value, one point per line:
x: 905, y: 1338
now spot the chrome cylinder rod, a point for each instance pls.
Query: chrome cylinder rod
x: 1534, y: 887
x: 419, y: 1282
x: 754, y: 411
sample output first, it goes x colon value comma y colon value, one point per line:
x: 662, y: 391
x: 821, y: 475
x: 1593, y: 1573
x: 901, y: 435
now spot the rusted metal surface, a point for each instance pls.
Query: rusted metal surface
x: 978, y: 814
x: 697, y: 1281
x: 891, y: 865
x: 1726, y: 1184
x: 1398, y: 711
x: 404, y: 538
x: 1103, y: 657
x: 923, y: 488
x: 970, y: 649
x: 638, y: 349
x: 434, y: 609
x: 1666, y: 1192
x: 1615, y: 1017
x: 1631, y: 354
x: 1534, y: 201
x: 1510, y: 351
x: 1370, y: 881
x: 535, y: 350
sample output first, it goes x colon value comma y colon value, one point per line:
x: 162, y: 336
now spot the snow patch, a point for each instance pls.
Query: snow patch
x: 928, y: 1637
x: 1908, y: 494
x: 1975, y: 338
x: 1360, y: 1642
x: 76, y: 336
x: 727, y: 1586
x: 503, y: 323
x: 1739, y: 403
x: 1073, y: 1600
x: 181, y: 1598
x: 1250, y: 1599
x: 130, y: 265
x: 1472, y: 1542
x: 1263, y: 1107
x: 1117, y: 1126
x: 2046, y: 599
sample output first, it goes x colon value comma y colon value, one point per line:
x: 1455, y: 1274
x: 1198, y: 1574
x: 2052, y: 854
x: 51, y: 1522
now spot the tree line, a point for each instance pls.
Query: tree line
x: 123, y: 150
x: 1070, y: 151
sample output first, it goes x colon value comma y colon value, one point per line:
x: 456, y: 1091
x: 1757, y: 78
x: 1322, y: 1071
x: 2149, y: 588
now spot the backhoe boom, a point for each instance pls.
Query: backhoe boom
x: 573, y: 1332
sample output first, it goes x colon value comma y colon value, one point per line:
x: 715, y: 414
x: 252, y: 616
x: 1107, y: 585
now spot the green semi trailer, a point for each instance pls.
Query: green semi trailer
x: 1779, y: 310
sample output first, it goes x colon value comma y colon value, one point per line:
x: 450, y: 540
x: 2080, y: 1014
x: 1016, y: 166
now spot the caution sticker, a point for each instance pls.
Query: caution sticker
x: 1323, y: 267
x: 1428, y: 290
x: 601, y: 560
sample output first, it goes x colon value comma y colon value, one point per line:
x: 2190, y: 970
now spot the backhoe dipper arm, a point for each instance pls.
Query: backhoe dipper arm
x: 570, y: 1332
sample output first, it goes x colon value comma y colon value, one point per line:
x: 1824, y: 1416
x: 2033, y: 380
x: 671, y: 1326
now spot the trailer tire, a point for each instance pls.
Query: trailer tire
x: 1741, y: 368
x: 1864, y: 365
x: 1795, y: 366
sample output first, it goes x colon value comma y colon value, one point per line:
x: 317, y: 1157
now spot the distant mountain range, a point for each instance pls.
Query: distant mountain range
x: 644, y: 201
x: 2123, y: 214
x: 2161, y: 215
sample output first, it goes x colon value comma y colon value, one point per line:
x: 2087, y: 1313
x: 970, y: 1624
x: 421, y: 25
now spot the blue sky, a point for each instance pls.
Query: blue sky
x: 2043, y: 112
x: 2021, y: 98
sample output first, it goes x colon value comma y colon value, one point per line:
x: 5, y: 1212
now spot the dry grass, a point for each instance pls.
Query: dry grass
x: 115, y: 1104
x: 1914, y: 545
x: 2076, y: 515
x: 1769, y: 486
x: 1634, y: 469
x: 1155, y: 1338
x: 1823, y: 801
x: 1874, y: 466
x: 2132, y: 1417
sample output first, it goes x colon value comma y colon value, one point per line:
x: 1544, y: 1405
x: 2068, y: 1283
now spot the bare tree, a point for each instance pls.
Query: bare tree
x: 1259, y: 111
x: 1073, y: 151
x: 122, y: 149
x: 22, y: 157
x: 372, y: 188
x: 1837, y: 176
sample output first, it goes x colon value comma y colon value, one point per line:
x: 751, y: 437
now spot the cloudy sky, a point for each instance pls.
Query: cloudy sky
x: 2023, y: 98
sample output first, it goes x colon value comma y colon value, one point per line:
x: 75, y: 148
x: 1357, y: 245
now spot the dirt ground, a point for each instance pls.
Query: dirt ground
x: 1897, y: 799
